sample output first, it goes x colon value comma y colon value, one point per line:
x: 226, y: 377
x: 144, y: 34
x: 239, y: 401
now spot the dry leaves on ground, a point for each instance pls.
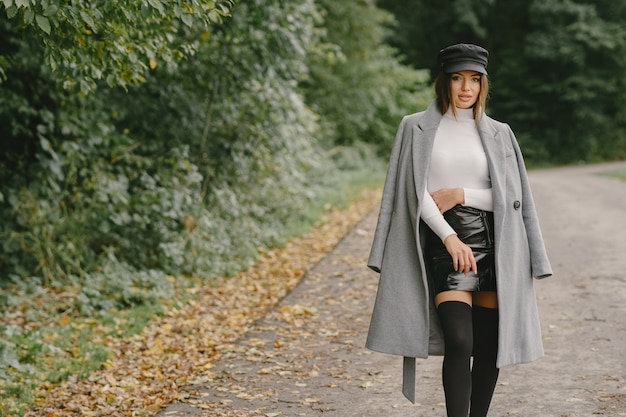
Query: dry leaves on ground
x: 148, y: 371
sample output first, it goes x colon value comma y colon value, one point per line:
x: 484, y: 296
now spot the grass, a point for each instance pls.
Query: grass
x: 49, y: 353
x: 619, y: 174
x: 353, y: 183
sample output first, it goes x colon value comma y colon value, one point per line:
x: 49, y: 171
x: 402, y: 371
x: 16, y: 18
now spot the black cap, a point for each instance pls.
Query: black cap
x: 463, y: 56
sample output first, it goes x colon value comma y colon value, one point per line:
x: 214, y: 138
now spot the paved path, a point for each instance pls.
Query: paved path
x: 306, y: 358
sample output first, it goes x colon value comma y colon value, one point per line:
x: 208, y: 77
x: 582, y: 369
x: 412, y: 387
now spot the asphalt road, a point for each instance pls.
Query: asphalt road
x: 306, y: 358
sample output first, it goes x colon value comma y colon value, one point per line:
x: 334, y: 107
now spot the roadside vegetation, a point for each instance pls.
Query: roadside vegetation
x: 619, y: 174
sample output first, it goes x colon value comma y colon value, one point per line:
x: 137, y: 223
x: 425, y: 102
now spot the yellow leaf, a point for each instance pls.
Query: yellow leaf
x: 153, y: 64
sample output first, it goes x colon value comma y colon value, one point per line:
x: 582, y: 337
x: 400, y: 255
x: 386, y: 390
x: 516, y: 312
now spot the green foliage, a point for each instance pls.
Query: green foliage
x: 251, y: 135
x: 568, y: 70
x: 128, y: 202
x: 358, y: 87
x: 555, y: 67
x: 115, y: 41
x: 197, y: 197
x: 425, y: 26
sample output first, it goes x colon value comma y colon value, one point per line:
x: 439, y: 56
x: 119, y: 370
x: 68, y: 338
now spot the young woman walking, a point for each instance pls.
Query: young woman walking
x: 458, y: 242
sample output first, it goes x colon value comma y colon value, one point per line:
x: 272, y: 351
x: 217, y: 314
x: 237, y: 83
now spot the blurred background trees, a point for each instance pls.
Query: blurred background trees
x: 554, y: 67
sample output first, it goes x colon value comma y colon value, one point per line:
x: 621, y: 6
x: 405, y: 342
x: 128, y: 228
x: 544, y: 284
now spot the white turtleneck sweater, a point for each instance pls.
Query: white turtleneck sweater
x: 458, y: 160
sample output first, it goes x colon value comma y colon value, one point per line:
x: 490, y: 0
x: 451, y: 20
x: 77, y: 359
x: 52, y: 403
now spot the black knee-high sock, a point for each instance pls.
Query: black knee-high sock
x: 456, y: 323
x: 484, y: 371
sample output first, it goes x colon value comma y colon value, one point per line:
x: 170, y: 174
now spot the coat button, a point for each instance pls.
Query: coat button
x: 516, y: 204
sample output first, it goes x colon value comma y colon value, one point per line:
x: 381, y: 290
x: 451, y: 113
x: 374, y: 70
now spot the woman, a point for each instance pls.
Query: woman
x: 458, y: 242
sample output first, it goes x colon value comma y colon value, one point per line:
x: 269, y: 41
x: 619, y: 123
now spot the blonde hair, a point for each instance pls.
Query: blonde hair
x: 444, y: 95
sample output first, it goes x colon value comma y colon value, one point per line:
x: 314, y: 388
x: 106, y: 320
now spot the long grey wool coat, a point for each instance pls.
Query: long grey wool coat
x: 404, y: 320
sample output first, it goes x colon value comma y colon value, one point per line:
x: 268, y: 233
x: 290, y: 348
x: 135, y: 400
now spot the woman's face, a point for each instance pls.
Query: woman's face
x: 465, y: 87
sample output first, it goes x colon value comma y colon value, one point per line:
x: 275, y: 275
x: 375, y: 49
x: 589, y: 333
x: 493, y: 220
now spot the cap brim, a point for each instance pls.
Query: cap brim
x: 464, y: 66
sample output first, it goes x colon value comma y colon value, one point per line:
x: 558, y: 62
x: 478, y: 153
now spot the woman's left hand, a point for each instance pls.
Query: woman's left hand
x: 462, y: 256
x: 446, y: 198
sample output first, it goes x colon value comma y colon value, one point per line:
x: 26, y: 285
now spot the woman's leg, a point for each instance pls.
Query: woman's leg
x: 484, y: 371
x: 455, y: 314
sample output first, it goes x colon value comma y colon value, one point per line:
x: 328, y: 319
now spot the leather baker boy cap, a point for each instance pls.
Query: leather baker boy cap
x: 463, y: 56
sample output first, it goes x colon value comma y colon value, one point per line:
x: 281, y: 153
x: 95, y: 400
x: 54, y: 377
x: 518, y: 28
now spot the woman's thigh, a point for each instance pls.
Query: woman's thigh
x: 488, y: 299
x: 453, y: 295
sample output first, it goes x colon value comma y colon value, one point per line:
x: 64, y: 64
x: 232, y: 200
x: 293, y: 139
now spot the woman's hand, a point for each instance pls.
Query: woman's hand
x: 462, y: 256
x: 446, y: 198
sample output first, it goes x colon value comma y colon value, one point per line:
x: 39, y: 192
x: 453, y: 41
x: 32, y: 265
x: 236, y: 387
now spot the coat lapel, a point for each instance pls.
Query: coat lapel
x: 496, y: 157
x: 423, y: 139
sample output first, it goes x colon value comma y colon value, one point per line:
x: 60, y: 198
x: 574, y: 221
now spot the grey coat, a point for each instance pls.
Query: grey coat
x: 404, y: 320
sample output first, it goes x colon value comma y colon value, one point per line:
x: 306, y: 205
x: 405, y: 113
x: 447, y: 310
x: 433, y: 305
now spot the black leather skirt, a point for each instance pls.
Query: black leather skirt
x: 475, y: 228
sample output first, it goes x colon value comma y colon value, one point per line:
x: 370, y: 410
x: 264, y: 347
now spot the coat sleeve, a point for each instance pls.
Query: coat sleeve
x: 540, y: 265
x: 386, y: 206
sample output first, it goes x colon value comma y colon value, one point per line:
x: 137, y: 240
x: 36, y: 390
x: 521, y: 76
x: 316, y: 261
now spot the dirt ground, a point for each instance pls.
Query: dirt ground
x: 306, y: 358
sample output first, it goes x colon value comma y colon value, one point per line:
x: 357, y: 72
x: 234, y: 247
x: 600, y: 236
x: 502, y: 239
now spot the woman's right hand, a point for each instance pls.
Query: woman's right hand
x: 446, y: 198
x: 462, y: 256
